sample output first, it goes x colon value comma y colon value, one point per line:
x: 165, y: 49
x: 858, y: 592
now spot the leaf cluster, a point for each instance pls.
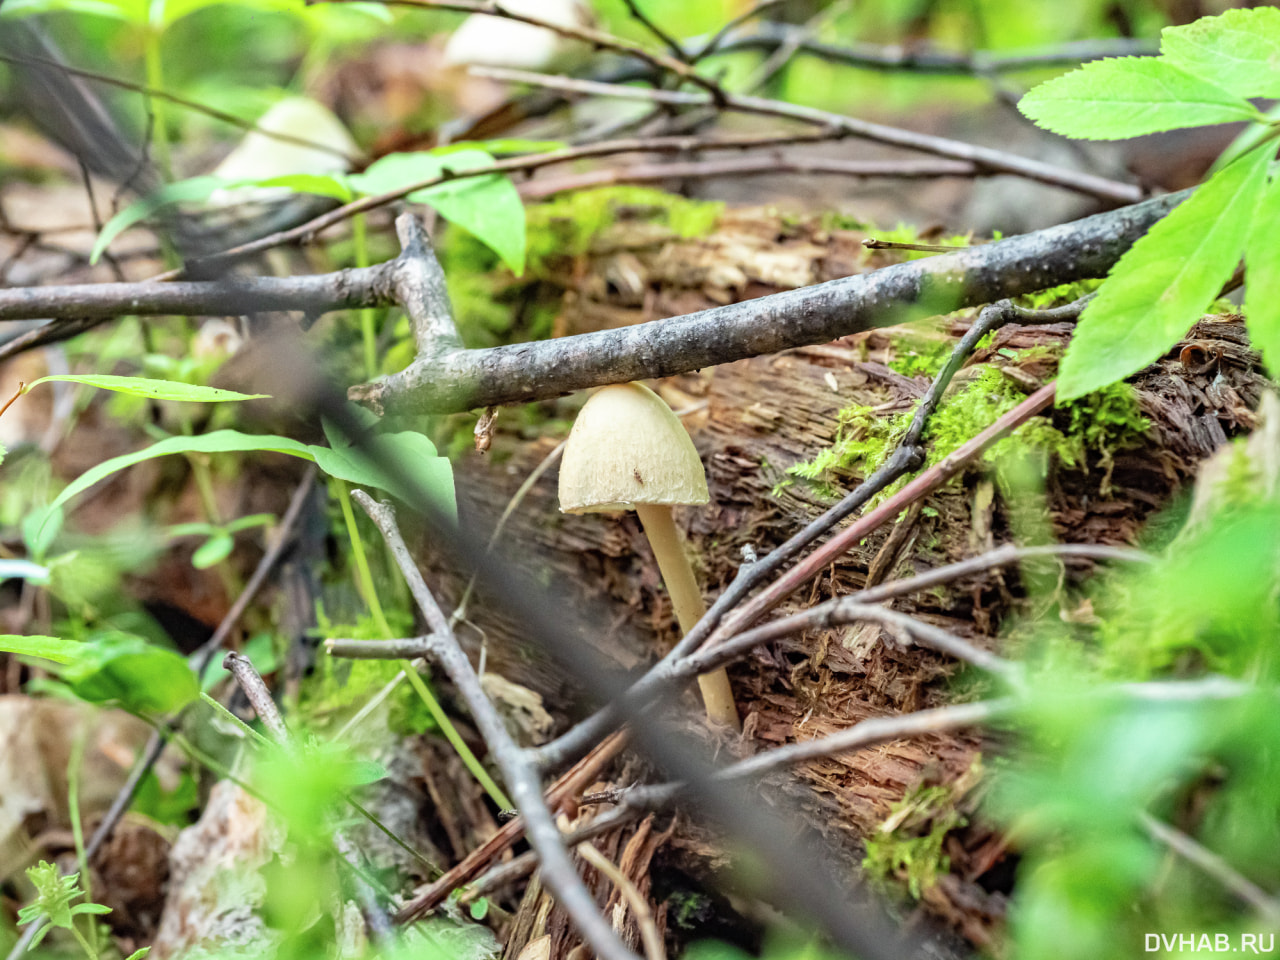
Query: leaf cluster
x: 1206, y: 73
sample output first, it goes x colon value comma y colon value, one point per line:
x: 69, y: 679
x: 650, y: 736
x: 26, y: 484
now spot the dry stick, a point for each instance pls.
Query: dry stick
x: 520, y: 867
x: 1264, y: 905
x: 833, y: 611
x: 860, y: 736
x: 520, y: 775
x: 924, y: 484
x: 778, y: 59
x: 749, y: 166
x: 906, y: 457
x: 751, y: 12
x: 997, y: 161
x: 442, y: 379
x: 769, y: 36
x: 661, y: 35
x: 255, y: 689
x: 596, y: 38
x: 879, y: 730
x: 653, y: 946
x: 152, y: 93
x: 561, y: 793
x: 868, y: 733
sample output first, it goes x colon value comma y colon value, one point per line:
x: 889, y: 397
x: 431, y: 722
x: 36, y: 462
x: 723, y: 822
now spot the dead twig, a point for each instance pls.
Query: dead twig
x: 997, y: 161
x: 1263, y: 904
x: 520, y: 775
x: 767, y: 165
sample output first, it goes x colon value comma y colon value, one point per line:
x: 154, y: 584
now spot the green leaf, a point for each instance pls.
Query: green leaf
x: 197, y: 188
x: 153, y: 389
x: 126, y: 669
x: 1124, y: 97
x: 1162, y: 284
x: 213, y: 551
x: 1239, y: 50
x: 1262, y: 261
x: 220, y: 441
x: 46, y: 648
x: 412, y: 454
x: 488, y: 206
x: 40, y: 527
x: 334, y: 186
x: 139, y: 954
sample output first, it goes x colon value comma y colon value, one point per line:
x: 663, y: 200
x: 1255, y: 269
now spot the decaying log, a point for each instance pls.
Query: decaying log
x: 752, y: 421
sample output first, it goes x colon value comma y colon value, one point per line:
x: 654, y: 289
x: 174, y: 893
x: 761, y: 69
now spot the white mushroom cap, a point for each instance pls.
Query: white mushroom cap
x: 627, y: 447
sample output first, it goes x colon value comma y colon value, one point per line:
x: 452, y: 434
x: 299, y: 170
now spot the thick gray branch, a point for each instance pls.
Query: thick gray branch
x: 443, y: 381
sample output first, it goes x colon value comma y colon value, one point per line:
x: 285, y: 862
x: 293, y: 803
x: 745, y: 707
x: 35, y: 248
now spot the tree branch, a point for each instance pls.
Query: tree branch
x: 448, y: 381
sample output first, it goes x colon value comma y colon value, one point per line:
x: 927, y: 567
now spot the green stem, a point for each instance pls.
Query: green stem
x: 451, y: 734
x: 74, y: 765
x: 368, y: 317
x: 365, y: 583
x: 364, y: 579
x: 93, y: 955
x: 155, y: 80
x: 235, y: 721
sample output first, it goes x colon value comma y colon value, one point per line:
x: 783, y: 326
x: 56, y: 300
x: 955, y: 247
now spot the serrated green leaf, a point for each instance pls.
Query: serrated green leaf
x: 153, y: 389
x: 197, y: 188
x: 1239, y: 50
x: 1123, y: 97
x: 46, y: 648
x: 1163, y: 283
x: 1262, y: 263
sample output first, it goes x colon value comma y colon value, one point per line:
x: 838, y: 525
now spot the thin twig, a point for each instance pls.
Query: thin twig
x: 152, y: 93
x: 258, y: 695
x: 848, y: 610
x: 871, y: 243
x: 521, y: 777
x: 753, y: 11
x: 869, y: 733
x: 996, y: 161
x: 777, y: 61
x: 924, y: 484
x: 1264, y: 905
x: 598, y: 39
x: 561, y: 794
x: 661, y: 35
x: 768, y: 165
x: 653, y: 947
x: 918, y: 58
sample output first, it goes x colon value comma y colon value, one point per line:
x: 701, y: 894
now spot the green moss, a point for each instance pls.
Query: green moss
x: 1102, y: 422
x: 1057, y: 296
x: 338, y: 688
x: 911, y: 850
x: 920, y: 356
x: 864, y: 439
x: 567, y: 225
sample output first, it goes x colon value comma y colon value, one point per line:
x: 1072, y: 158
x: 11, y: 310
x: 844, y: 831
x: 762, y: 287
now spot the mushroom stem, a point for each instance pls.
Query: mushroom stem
x: 686, y: 598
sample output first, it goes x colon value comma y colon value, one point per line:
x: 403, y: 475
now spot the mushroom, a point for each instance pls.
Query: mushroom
x: 627, y: 450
